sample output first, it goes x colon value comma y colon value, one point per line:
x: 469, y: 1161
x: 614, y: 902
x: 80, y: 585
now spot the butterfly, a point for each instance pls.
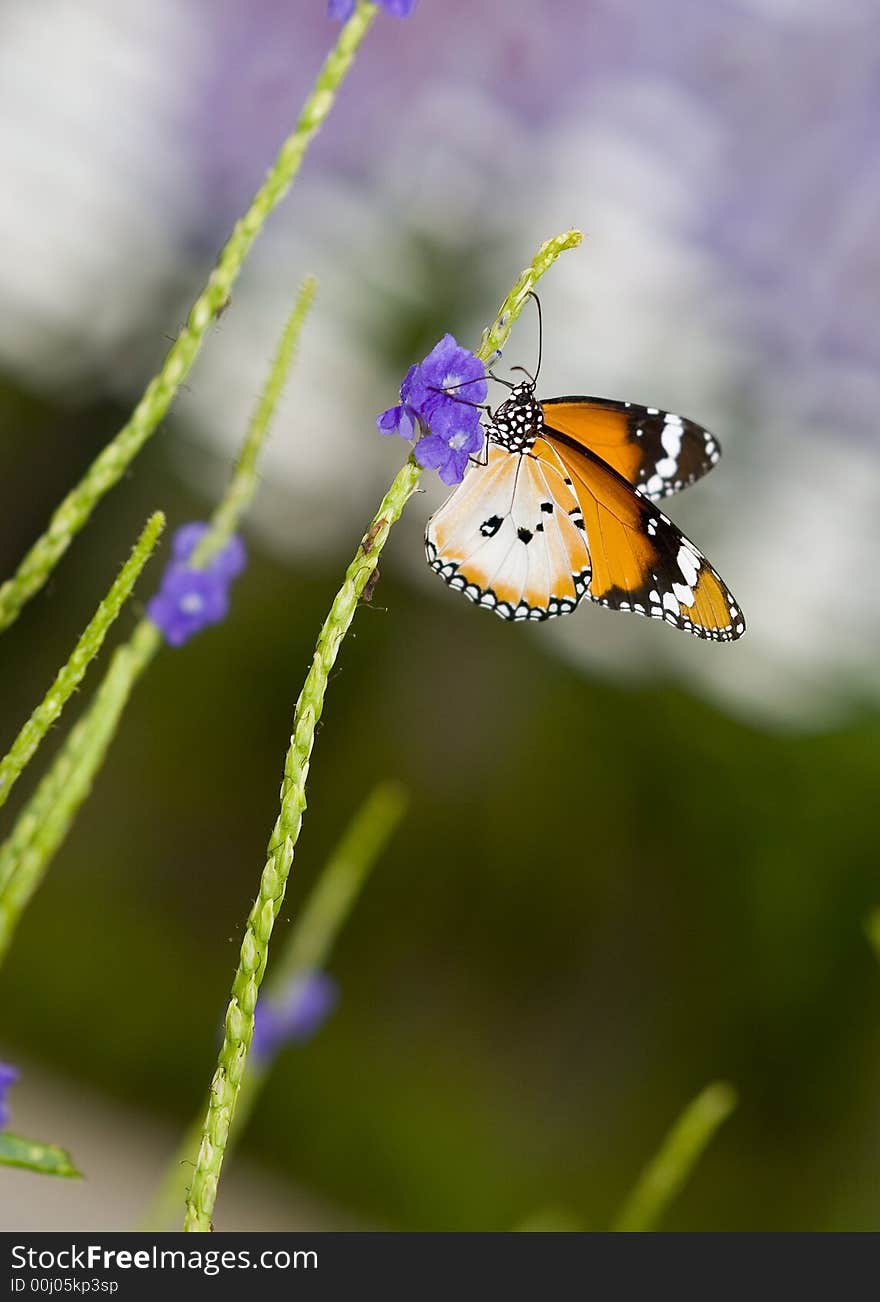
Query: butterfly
x: 563, y: 508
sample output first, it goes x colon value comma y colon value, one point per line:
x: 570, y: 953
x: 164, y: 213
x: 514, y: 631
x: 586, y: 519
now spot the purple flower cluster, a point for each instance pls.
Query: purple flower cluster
x: 8, y: 1076
x: 435, y: 399
x: 343, y: 9
x: 188, y: 599
x: 297, y: 1016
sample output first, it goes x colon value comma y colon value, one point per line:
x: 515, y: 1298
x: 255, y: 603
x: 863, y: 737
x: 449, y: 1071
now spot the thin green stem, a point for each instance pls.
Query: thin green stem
x: 114, y: 460
x: 667, y: 1173
x: 81, y: 754
x: 239, y: 1024
x: 46, y: 818
x: 243, y: 484
x: 307, y: 947
x: 496, y: 335
x: 72, y: 673
x: 333, y: 896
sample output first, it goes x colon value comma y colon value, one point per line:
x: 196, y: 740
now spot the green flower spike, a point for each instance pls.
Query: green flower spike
x: 44, y: 822
x: 239, y: 1024
x: 112, y: 463
x: 71, y: 675
x: 307, y: 948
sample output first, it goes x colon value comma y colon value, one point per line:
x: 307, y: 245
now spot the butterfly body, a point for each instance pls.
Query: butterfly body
x: 563, y: 508
x: 517, y: 422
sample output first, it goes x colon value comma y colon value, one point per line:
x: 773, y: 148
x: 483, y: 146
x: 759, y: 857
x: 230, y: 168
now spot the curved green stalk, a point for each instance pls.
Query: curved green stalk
x: 112, y: 463
x: 239, y: 1024
x: 666, y: 1174
x: 72, y: 673
x: 46, y: 818
x: 307, y: 948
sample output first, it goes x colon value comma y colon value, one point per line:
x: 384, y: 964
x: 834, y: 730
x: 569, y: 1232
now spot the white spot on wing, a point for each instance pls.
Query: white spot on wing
x: 689, y: 565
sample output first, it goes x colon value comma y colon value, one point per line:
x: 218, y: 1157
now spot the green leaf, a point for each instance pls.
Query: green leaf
x: 45, y: 1159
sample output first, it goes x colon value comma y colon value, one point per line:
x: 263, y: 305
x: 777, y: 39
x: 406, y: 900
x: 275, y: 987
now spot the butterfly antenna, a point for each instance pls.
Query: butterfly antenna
x: 466, y: 402
x: 462, y: 385
x: 533, y: 295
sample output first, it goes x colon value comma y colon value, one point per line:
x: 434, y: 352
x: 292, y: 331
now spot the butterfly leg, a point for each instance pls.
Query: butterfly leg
x: 481, y: 458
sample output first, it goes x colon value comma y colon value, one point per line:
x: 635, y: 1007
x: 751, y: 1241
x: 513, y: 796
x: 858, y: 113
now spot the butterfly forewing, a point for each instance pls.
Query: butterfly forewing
x: 656, y: 451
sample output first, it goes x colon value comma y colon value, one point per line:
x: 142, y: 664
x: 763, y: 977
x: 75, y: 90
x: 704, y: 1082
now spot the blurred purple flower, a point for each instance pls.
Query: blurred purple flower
x: 436, y: 396
x: 188, y: 599
x: 343, y: 9
x: 8, y: 1076
x: 297, y: 1016
x: 229, y: 561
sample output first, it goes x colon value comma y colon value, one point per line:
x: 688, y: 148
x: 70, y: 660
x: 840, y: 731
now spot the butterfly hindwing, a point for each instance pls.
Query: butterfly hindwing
x: 639, y: 560
x: 655, y: 451
x: 511, y: 538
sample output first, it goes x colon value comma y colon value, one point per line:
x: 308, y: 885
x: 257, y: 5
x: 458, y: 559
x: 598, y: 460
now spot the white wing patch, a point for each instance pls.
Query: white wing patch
x: 511, y: 538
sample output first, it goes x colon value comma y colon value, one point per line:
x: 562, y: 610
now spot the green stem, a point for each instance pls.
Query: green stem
x: 46, y: 818
x: 333, y: 896
x: 71, y: 674
x: 80, y: 753
x: 243, y: 484
x: 307, y: 948
x: 496, y: 335
x: 667, y: 1172
x: 114, y: 460
x: 239, y: 1024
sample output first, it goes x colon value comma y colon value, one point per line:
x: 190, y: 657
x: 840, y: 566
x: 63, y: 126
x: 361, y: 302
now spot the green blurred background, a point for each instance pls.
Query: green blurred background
x: 610, y: 888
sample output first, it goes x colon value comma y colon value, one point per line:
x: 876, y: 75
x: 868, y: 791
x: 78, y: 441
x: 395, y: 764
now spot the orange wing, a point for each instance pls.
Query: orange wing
x: 639, y: 560
x: 655, y: 451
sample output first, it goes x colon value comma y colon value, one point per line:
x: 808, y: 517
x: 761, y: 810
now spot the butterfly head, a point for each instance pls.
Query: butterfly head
x: 518, y: 421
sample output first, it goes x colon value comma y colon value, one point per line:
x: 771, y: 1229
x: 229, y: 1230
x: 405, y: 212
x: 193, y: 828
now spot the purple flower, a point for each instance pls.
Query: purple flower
x: 8, y: 1076
x: 449, y: 457
x: 297, y: 1016
x: 342, y: 10
x: 436, y: 398
x: 188, y: 599
x: 229, y: 561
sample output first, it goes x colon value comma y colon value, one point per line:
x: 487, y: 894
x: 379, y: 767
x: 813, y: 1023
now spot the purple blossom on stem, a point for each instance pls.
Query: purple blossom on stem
x: 435, y: 399
x: 190, y: 599
x: 342, y: 10
x: 229, y: 561
x: 8, y: 1076
x: 296, y: 1016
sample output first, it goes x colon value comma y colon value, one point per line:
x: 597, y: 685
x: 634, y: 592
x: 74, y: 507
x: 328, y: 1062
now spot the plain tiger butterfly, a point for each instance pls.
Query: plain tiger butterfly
x: 563, y: 508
